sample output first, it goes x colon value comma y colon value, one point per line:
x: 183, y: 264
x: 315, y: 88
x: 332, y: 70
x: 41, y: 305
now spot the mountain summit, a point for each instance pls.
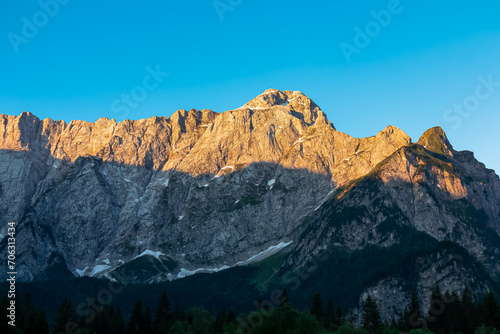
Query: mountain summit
x: 436, y: 141
x: 296, y: 102
x: 203, y: 192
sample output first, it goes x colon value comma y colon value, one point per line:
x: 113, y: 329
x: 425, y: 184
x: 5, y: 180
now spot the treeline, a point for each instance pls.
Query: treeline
x: 448, y: 313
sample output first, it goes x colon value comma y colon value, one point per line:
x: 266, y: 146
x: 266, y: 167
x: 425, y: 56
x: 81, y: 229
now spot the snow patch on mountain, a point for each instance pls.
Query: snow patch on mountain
x: 150, y: 252
x: 81, y: 272
x: 255, y: 258
x: 99, y: 268
x: 265, y: 253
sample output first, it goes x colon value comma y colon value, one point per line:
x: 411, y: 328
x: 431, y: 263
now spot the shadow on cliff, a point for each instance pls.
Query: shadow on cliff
x: 75, y: 210
x: 62, y: 207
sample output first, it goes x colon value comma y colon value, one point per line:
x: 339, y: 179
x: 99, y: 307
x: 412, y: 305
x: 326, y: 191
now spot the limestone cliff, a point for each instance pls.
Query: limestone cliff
x: 202, y: 191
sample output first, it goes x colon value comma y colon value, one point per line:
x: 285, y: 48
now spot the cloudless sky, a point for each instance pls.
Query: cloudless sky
x: 80, y: 60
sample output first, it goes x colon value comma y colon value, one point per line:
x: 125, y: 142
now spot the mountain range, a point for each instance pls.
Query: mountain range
x: 271, y: 186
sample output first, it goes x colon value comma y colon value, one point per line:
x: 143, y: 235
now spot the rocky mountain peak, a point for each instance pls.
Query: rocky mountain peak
x: 435, y: 140
x: 297, y: 103
x: 397, y: 133
x: 270, y: 98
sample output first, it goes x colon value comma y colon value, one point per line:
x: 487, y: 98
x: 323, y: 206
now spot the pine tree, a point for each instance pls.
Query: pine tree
x: 371, y: 316
x: 38, y: 324
x: 284, y: 298
x: 393, y: 324
x: 451, y: 313
x: 414, y: 316
x: 351, y: 317
x: 119, y: 322
x: 467, y: 312
x: 490, y: 311
x: 66, y: 317
x: 111, y: 321
x: 338, y: 320
x: 317, y: 308
x: 162, y: 318
x: 220, y: 321
x: 100, y: 323
x: 435, y: 320
x: 259, y: 305
x: 138, y: 320
x: 231, y: 316
x: 329, y: 315
x: 148, y: 322
x: 94, y: 325
x: 26, y: 312
x: 108, y: 319
x: 404, y: 324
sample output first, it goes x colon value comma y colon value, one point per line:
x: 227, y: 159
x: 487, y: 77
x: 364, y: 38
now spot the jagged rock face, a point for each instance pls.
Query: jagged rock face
x: 140, y: 143
x: 425, y: 187
x: 207, y: 190
x: 197, y: 142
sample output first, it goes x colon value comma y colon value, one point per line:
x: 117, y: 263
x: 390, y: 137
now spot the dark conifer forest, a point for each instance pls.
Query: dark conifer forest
x: 449, y: 312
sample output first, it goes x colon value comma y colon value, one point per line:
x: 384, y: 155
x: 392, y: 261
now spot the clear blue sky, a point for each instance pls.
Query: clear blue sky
x: 78, y: 61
